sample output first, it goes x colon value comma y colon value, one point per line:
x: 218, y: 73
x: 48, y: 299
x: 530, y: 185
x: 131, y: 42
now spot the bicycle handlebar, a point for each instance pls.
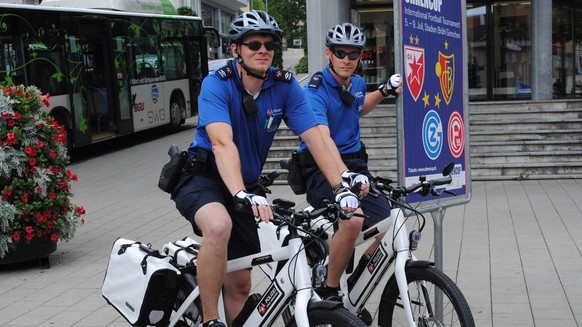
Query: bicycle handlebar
x: 424, y: 185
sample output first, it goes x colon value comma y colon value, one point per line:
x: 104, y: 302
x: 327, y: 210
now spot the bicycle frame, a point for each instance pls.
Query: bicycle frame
x: 294, y: 277
x: 395, y: 246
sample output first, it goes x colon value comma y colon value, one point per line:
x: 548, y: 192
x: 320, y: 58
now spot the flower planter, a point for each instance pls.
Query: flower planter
x: 35, y: 190
x: 37, y: 249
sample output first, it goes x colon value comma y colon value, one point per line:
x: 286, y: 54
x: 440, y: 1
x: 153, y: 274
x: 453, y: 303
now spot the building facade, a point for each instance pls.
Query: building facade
x: 517, y: 50
x: 217, y: 14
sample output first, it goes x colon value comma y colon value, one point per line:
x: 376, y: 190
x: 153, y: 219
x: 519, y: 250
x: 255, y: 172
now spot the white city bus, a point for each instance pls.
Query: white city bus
x: 110, y: 72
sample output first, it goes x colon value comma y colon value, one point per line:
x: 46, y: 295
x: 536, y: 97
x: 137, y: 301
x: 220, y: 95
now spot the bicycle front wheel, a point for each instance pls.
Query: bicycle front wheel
x: 338, y: 316
x: 435, y: 299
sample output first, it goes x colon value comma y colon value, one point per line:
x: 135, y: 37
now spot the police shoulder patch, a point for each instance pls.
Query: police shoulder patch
x: 282, y: 75
x: 315, y: 81
x: 225, y: 72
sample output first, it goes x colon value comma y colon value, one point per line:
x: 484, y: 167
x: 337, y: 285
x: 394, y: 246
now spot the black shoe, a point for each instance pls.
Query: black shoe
x: 329, y: 293
x: 366, y: 317
x: 214, y: 323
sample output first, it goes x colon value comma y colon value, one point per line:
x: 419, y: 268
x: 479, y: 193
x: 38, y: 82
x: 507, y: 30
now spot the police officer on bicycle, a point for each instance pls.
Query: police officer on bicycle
x: 240, y: 108
x: 338, y: 98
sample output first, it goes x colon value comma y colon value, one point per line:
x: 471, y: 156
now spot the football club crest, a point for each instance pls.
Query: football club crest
x: 414, y: 69
x: 445, y: 70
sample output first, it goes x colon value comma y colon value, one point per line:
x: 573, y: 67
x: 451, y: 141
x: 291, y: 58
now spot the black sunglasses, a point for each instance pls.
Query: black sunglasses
x: 256, y: 45
x: 341, y: 54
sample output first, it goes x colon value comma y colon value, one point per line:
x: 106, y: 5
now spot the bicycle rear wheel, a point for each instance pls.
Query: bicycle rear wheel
x: 337, y: 316
x: 424, y: 285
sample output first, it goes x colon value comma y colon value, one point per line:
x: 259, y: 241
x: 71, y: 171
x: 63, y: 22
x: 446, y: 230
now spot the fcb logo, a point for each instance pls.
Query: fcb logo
x: 445, y: 70
x: 414, y: 69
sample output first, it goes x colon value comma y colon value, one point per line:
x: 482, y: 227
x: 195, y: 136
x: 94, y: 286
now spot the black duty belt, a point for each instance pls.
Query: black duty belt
x: 306, y: 159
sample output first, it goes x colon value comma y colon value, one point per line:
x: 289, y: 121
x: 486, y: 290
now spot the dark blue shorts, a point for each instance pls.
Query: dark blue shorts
x: 196, y: 190
x: 318, y: 189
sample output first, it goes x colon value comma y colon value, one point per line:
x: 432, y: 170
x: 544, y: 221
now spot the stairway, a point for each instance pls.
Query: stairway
x: 526, y: 140
x: 378, y: 132
x: 508, y: 140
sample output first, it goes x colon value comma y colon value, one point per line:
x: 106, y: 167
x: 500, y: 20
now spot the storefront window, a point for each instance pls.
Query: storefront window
x: 207, y: 12
x: 378, y: 57
x: 477, y: 45
x: 566, y: 52
x: 512, y: 54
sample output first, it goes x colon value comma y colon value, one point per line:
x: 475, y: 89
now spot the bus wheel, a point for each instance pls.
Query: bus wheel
x: 175, y: 115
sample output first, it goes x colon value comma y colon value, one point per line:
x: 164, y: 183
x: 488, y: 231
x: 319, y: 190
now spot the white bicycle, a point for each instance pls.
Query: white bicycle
x: 416, y: 293
x: 290, y: 286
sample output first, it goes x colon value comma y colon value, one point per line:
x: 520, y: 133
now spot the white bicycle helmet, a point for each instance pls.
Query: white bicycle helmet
x: 345, y: 34
x: 254, y: 21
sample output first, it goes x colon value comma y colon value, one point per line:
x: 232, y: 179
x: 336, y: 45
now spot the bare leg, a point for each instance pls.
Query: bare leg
x: 341, y: 247
x: 214, y: 222
x: 236, y: 291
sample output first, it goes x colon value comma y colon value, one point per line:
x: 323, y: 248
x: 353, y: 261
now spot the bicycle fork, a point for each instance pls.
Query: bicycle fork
x: 403, y: 254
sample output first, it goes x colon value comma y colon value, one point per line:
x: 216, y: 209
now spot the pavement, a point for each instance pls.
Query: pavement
x: 514, y: 249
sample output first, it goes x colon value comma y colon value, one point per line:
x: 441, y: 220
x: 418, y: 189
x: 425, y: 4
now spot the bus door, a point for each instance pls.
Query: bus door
x: 93, y: 89
x: 196, y: 71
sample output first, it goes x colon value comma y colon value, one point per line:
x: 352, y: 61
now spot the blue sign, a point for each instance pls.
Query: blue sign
x: 433, y: 103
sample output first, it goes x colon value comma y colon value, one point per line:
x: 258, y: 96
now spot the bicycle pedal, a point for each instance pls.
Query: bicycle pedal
x: 365, y: 316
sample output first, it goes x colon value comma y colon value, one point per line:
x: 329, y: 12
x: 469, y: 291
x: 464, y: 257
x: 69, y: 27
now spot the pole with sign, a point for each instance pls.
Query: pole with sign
x: 432, y: 115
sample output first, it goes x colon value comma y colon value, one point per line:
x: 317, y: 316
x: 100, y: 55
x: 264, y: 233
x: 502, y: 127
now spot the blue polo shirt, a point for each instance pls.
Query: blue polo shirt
x: 280, y: 98
x: 342, y: 119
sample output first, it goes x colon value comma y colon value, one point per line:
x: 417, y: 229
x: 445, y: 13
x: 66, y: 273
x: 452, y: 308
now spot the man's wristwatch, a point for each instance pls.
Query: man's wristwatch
x: 382, y: 89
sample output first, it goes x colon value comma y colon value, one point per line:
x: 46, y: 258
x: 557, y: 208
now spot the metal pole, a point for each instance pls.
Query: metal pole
x: 438, y: 216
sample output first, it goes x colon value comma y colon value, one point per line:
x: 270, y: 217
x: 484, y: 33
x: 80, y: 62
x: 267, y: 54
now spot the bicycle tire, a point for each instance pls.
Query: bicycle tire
x: 456, y: 310
x: 337, y: 316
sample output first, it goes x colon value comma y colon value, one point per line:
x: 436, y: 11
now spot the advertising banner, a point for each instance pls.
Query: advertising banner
x: 434, y: 118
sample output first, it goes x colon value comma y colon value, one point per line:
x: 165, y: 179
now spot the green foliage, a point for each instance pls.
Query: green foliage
x: 302, y: 66
x: 186, y: 11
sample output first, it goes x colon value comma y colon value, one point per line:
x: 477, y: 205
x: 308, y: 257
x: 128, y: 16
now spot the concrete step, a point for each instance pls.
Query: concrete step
x: 508, y: 140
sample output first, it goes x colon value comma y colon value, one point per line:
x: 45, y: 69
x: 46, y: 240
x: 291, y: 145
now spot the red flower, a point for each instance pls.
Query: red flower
x: 24, y: 198
x: 29, y: 229
x: 52, y: 195
x: 53, y: 153
x: 6, y: 116
x: 39, y: 143
x: 10, y: 139
x: 54, y: 237
x: 8, y: 90
x: 16, y: 237
x: 40, y: 218
x: 32, y: 161
x: 7, y: 193
x: 11, y: 123
x: 18, y: 92
x: 17, y: 115
x: 30, y: 151
x: 71, y: 175
x: 80, y: 210
x: 29, y: 237
x: 38, y: 190
x: 45, y: 100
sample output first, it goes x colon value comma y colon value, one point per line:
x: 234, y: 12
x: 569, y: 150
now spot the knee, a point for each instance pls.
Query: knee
x: 215, y: 228
x: 352, y: 227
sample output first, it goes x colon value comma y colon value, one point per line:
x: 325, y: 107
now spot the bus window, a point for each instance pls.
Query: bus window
x: 10, y: 57
x: 146, y: 61
x: 174, y: 59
